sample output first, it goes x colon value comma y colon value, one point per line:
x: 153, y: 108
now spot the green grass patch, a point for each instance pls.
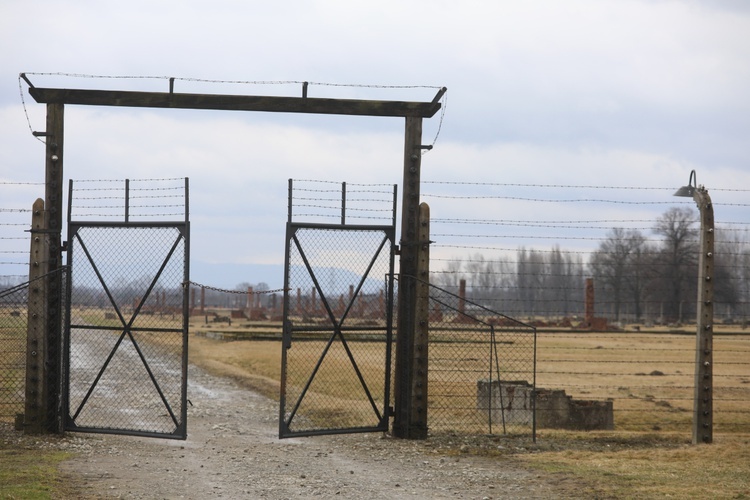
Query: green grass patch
x: 29, y: 473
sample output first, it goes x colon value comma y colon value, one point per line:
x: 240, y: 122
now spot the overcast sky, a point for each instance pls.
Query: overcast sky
x: 595, y: 92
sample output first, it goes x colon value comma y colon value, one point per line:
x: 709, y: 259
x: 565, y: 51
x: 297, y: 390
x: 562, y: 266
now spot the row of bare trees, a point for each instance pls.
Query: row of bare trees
x: 636, y: 278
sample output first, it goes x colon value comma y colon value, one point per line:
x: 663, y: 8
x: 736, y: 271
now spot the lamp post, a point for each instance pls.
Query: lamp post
x: 703, y: 391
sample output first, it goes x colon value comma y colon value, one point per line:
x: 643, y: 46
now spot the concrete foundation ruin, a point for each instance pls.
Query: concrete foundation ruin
x: 512, y: 402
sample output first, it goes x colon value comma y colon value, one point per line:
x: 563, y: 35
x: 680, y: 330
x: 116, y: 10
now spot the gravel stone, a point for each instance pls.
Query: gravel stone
x: 233, y: 451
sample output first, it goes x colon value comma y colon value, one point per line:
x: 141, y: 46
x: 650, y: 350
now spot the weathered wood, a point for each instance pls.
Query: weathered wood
x: 404, y: 397
x: 703, y: 391
x: 420, y: 366
x: 35, y: 404
x: 235, y: 102
x: 53, y: 281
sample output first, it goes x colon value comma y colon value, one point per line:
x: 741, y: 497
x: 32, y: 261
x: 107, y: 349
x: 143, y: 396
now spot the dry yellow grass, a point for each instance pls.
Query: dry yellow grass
x: 650, y: 377
x: 652, y: 468
x: 633, y: 461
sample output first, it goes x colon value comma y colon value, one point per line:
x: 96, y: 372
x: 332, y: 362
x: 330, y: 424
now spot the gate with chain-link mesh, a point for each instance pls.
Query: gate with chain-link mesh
x: 338, y: 281
x: 125, y: 352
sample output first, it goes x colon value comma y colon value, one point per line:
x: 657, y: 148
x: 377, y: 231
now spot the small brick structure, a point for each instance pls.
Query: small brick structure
x: 512, y: 402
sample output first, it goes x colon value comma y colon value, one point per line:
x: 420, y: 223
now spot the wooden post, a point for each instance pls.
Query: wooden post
x: 418, y: 425
x: 703, y: 391
x: 36, y: 342
x: 407, y: 289
x: 51, y: 376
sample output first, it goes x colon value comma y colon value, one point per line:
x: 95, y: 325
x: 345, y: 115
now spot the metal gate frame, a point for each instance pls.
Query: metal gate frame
x: 337, y: 330
x: 177, y: 416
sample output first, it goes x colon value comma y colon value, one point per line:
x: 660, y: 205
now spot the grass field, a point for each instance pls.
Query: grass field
x: 647, y: 455
x: 648, y: 376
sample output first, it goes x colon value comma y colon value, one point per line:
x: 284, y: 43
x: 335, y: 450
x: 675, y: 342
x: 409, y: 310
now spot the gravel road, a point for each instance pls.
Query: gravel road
x: 232, y: 451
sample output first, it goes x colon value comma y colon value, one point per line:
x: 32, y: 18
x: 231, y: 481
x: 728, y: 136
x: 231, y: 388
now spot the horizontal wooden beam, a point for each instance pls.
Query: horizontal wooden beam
x: 235, y: 102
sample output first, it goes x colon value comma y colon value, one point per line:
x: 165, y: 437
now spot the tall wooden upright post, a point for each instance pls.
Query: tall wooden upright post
x: 54, y: 283
x: 703, y: 396
x: 407, y: 422
x: 703, y: 417
x: 35, y: 402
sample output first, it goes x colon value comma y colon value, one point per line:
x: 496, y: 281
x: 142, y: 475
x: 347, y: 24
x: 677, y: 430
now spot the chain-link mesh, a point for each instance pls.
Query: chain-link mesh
x: 126, y: 341
x: 481, y: 368
x: 337, y: 343
x: 13, y: 316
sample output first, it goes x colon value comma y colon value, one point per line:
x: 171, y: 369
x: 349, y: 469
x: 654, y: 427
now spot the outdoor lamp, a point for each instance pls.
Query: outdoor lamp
x: 690, y: 188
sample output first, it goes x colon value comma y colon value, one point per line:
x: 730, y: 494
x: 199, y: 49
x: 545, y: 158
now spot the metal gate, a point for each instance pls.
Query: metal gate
x: 125, y: 351
x: 336, y: 354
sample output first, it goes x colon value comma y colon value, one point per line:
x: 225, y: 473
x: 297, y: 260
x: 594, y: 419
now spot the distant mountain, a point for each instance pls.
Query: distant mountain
x: 230, y: 275
x: 334, y: 281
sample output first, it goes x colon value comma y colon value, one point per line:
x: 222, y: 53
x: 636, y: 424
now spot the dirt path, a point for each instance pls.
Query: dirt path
x: 232, y: 451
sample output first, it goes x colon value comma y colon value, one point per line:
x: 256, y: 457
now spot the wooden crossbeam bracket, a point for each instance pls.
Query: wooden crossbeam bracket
x: 26, y: 79
x: 440, y: 94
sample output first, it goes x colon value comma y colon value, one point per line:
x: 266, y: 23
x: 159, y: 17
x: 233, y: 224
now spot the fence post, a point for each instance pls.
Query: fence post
x: 703, y: 392
x: 37, y: 391
x: 53, y: 205
x: 407, y: 291
x: 422, y: 327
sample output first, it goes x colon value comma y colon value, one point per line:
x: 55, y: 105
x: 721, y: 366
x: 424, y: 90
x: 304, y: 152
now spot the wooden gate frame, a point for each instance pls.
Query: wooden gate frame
x: 408, y: 422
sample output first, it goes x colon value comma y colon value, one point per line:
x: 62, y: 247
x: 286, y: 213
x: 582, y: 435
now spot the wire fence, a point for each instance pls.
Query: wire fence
x: 481, y: 369
x: 640, y: 249
x: 499, y: 246
x: 131, y: 199
x: 13, y: 315
x: 15, y: 220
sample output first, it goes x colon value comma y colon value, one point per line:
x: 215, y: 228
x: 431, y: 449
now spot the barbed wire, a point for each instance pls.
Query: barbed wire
x: 236, y: 292
x: 569, y: 186
x: 560, y: 200
x: 526, y: 222
x: 560, y: 251
x: 322, y: 181
x: 26, y: 111
x: 331, y: 216
x: 241, y: 82
x: 9, y: 183
x: 132, y: 215
x: 581, y: 224
x: 443, y: 98
x: 122, y: 181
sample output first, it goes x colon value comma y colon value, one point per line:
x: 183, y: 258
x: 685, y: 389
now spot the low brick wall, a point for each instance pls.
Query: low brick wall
x: 512, y: 402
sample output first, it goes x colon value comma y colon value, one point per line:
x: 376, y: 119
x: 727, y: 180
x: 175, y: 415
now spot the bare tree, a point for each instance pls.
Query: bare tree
x: 728, y: 271
x: 450, y: 277
x: 677, y: 263
x: 614, y: 267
